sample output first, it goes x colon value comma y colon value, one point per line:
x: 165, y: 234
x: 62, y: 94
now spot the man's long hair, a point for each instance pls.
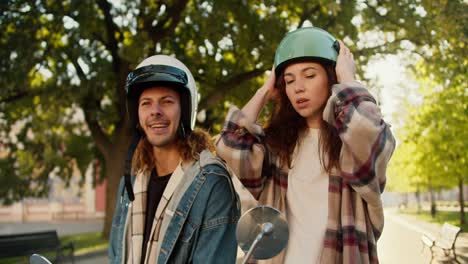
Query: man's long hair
x: 189, y: 148
x: 286, y: 126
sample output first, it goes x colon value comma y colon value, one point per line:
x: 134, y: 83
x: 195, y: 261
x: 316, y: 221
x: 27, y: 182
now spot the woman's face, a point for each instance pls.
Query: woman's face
x: 307, y: 90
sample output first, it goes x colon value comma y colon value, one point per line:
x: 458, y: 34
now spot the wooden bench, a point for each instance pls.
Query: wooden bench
x: 26, y: 244
x: 445, y: 240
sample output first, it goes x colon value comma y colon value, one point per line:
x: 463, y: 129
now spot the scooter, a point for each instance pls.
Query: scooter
x: 262, y: 232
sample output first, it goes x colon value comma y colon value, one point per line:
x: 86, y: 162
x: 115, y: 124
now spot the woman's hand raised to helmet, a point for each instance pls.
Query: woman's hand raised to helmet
x: 263, y: 95
x: 271, y: 93
x: 345, y: 66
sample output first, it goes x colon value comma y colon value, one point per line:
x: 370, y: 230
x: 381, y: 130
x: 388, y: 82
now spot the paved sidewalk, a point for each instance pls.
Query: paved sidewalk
x: 62, y: 227
x: 412, y: 222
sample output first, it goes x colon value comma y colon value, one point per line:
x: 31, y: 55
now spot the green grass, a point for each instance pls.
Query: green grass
x: 440, y: 218
x: 84, y: 243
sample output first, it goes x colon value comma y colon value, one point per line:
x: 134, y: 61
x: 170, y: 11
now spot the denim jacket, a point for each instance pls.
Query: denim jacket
x: 202, y: 229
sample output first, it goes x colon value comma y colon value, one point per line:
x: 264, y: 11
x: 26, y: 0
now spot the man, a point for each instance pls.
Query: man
x: 179, y: 205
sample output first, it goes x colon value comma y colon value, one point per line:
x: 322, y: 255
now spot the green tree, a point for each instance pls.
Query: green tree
x: 436, y: 131
x: 433, y: 149
x: 64, y: 65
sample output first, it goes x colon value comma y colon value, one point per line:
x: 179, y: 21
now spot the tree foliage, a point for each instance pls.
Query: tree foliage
x: 64, y: 64
x: 433, y: 145
x: 433, y: 142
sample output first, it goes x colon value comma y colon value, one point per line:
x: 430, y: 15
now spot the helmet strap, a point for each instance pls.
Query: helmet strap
x: 181, y: 130
x: 128, y: 166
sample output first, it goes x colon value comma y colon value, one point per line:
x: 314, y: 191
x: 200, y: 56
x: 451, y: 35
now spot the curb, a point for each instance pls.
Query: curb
x: 92, y: 254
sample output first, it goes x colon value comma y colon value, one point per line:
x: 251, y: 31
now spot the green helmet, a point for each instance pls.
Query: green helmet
x: 306, y: 44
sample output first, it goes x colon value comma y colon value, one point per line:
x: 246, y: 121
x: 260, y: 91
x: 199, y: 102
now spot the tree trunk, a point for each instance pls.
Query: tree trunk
x: 433, y: 203
x: 418, y: 200
x: 461, y: 201
x: 405, y: 201
x: 115, y: 158
x: 114, y: 171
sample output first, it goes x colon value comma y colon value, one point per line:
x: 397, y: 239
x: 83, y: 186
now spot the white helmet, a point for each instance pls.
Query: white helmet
x: 165, y: 71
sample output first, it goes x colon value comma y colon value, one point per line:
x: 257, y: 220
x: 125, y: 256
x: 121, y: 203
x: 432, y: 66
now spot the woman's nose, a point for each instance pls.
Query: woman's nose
x: 299, y: 86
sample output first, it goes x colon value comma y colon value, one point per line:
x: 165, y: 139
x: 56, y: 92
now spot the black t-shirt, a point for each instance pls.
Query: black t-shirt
x: 156, y: 186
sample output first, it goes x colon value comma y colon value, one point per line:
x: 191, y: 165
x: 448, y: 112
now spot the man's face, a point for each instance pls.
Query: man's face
x: 159, y: 114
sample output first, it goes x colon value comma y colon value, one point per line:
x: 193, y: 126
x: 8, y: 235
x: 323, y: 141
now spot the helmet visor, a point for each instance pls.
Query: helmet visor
x: 155, y: 74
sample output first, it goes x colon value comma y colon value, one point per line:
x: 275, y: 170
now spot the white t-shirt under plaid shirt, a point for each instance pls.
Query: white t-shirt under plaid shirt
x: 307, y: 202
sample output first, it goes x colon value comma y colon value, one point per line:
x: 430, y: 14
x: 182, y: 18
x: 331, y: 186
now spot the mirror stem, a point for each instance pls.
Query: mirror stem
x: 267, y: 228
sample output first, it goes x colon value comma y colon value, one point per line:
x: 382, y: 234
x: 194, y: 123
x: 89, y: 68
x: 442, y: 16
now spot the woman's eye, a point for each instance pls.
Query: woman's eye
x: 288, y: 81
x: 310, y: 76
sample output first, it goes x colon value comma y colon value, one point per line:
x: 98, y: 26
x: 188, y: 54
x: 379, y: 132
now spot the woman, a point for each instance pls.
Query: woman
x: 322, y: 157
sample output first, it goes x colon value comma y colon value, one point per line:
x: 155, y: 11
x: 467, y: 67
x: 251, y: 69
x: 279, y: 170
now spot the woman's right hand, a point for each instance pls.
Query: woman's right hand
x: 269, y: 90
x: 264, y: 94
x: 345, y: 66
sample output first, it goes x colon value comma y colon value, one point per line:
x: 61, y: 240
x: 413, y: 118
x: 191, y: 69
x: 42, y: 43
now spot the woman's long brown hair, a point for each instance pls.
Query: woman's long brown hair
x: 286, y: 126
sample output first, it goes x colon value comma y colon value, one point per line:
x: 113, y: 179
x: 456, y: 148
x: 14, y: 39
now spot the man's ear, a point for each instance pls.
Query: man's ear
x: 140, y: 130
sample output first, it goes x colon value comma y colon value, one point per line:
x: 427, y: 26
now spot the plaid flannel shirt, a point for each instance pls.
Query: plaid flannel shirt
x: 355, y: 212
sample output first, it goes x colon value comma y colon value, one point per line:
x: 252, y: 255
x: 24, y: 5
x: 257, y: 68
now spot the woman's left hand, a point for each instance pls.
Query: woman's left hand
x: 345, y: 67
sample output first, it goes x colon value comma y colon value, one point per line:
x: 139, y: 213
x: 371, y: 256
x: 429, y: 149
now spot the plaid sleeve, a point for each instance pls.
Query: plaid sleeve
x: 367, y: 140
x: 240, y: 145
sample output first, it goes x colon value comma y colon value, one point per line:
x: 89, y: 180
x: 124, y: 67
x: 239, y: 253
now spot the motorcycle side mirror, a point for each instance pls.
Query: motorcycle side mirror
x: 262, y: 232
x: 38, y: 259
